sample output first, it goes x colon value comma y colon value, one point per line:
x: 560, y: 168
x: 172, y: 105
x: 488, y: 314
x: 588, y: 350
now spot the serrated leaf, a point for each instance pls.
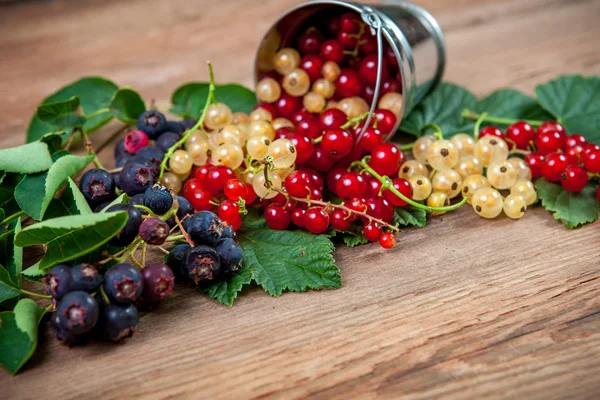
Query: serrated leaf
x: 61, y: 114
x: 289, y: 260
x: 127, y: 105
x: 122, y: 199
x: 352, y: 239
x: 94, y: 94
x: 19, y: 334
x: 573, y: 209
x: 67, y: 238
x: 442, y: 107
x: 8, y: 289
x: 34, y: 273
x: 512, y: 104
x: 16, y: 265
x: 53, y: 140
x: 188, y: 100
x: 71, y: 202
x: 26, y: 159
x: 409, y: 216
x: 226, y: 291
x: 35, y: 192
x: 575, y: 102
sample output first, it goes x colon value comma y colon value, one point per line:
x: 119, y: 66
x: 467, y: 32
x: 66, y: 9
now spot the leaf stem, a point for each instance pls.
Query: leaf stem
x: 11, y: 217
x: 478, y: 125
x: 32, y: 294
x: 497, y: 120
x: 386, y: 183
x: 210, y: 99
x: 98, y: 112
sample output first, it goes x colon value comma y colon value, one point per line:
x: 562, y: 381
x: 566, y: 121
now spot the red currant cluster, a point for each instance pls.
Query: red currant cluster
x: 556, y: 156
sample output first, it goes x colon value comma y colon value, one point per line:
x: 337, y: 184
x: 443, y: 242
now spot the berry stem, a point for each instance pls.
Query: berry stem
x: 355, y: 120
x: 386, y: 183
x: 518, y: 151
x: 497, y: 120
x: 90, y: 148
x: 174, y: 238
x: 165, y: 251
x: 129, y: 250
x: 98, y: 112
x: 103, y: 294
x: 317, y: 140
x: 407, y: 147
x: 210, y: 99
x: 11, y: 217
x: 32, y: 294
x: 439, y: 135
x: 478, y: 125
x: 184, y: 233
x: 149, y: 211
x: 144, y: 245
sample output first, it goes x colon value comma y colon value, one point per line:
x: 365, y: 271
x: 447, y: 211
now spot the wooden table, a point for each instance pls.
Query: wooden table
x: 465, y: 308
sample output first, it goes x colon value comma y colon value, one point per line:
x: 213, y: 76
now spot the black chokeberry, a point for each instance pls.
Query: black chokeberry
x: 120, y: 321
x: 185, y: 207
x: 58, y: 281
x: 123, y: 283
x: 167, y: 140
x: 188, y: 123
x: 152, y: 123
x: 85, y: 277
x: 158, y: 282
x: 77, y: 312
x: 151, y: 153
x: 64, y: 334
x: 154, y: 231
x: 201, y: 264
x: 130, y: 231
x: 176, y: 258
x: 204, y: 227
x: 138, y: 200
x: 158, y: 198
x: 175, y: 127
x: 120, y: 149
x: 97, y: 186
x: 135, y: 178
x: 123, y: 159
x: 230, y: 254
x: 228, y: 232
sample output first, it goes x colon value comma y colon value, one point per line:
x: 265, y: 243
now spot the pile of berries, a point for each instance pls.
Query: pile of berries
x: 477, y: 169
x: 88, y: 302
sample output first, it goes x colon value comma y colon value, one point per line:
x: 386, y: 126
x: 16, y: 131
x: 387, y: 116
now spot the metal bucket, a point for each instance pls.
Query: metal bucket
x: 411, y: 32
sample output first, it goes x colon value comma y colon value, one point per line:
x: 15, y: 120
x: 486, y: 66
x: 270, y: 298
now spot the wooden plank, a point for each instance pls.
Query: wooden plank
x: 465, y: 308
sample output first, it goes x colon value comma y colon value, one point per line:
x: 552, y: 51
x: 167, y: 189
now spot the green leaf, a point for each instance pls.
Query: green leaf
x: 512, y: 104
x: 16, y: 265
x: 54, y: 140
x: 575, y: 101
x: 7, y: 193
x: 289, y: 260
x: 188, y: 100
x: 226, y: 291
x: 94, y: 94
x: 62, y: 114
x: 35, y: 192
x: 442, y: 107
x: 122, y: 199
x: 353, y: 239
x: 34, y: 273
x: 573, y: 209
x: 26, y: 159
x: 8, y: 289
x: 19, y: 334
x: 67, y: 238
x: 2, y: 215
x: 127, y: 105
x: 407, y: 216
x: 71, y: 202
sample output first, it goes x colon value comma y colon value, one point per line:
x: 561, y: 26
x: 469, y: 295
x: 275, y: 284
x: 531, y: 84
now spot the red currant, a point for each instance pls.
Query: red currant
x: 357, y: 204
x: 387, y: 240
x: 228, y: 210
x: 587, y: 149
x: 288, y: 105
x: 573, y: 154
x: 350, y: 22
x: 189, y: 186
x: 334, y: 25
x: 235, y: 189
x: 316, y: 180
x: 386, y: 120
x: 310, y: 41
x: 251, y: 196
x: 368, y: 93
x: 347, y: 40
x: 235, y: 224
x: 309, y: 127
x: 200, y: 199
x: 576, y: 140
x: 334, y: 176
x: 316, y: 194
x: 337, y: 143
x: 554, y: 166
x: 301, y: 115
x: 297, y: 216
x: 312, y: 64
x: 269, y: 108
x: 371, y: 138
x: 390, y: 56
x: 316, y: 220
x: 536, y: 162
x: 367, y: 69
x: 386, y: 159
x: 521, y: 134
x: 574, y: 178
x: 591, y: 161
x: 332, y: 50
x: 391, y: 85
x: 216, y: 178
x: 340, y: 220
x: 304, y: 146
x: 373, y: 186
x: 372, y: 231
x: 348, y: 84
x: 551, y: 126
x: 298, y: 184
x: 401, y: 185
x: 332, y: 118
x: 351, y: 185
x: 276, y: 217
x: 320, y: 160
x: 367, y: 44
x: 549, y: 141
x: 490, y: 131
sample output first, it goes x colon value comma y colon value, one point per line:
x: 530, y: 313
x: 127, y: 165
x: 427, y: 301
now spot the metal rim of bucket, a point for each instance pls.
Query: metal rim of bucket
x: 395, y: 39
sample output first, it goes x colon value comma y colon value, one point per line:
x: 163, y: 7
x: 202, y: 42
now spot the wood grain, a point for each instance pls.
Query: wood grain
x: 465, y: 308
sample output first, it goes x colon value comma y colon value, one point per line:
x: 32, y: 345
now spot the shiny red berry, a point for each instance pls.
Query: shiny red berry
x: 235, y: 189
x: 348, y: 41
x: 332, y: 118
x: 297, y: 216
x: 340, y: 219
x: 309, y: 127
x: 304, y: 146
x: 372, y: 231
x: 288, y: 105
x: 367, y: 44
x: 312, y: 64
x: 591, y: 161
x: 387, y: 240
x: 576, y: 140
x: 350, y: 185
x: 276, y: 217
x: 551, y: 126
x: 536, y: 162
x: 367, y: 69
x: 490, y: 131
x: 573, y: 154
x: 200, y: 199
x: 401, y: 185
x: 201, y: 173
x: 310, y: 41
x: 549, y: 141
x: 371, y: 138
x: 373, y: 186
x: 521, y: 134
x: 574, y: 178
x: 385, y: 120
x: 337, y: 143
x: 386, y: 159
x: 316, y: 220
x: 216, y: 178
x: 298, y: 184
x: 228, y: 210
x: 189, y: 186
x: 332, y: 50
x: 333, y: 176
x: 350, y: 22
x: 348, y: 83
x: 391, y: 85
x: 554, y: 166
x: 320, y: 160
